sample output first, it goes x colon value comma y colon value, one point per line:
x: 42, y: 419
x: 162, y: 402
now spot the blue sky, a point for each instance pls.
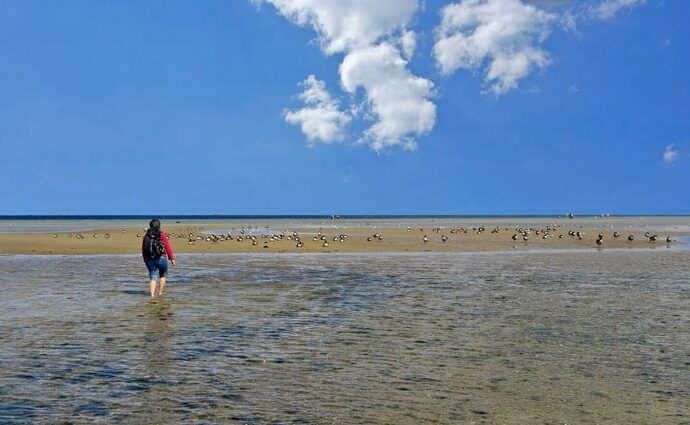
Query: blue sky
x: 180, y: 107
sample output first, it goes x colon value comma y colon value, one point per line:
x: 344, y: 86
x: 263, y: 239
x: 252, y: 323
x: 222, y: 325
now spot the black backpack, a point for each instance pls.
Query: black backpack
x: 153, y: 244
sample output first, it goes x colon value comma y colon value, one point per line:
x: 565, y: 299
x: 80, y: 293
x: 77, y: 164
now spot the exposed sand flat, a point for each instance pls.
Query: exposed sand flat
x: 215, y: 238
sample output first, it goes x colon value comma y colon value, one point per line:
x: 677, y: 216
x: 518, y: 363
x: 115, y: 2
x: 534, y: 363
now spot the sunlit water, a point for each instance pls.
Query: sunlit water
x: 566, y: 337
x: 621, y: 223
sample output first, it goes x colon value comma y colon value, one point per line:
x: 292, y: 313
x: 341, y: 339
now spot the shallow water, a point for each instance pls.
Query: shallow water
x: 567, y: 337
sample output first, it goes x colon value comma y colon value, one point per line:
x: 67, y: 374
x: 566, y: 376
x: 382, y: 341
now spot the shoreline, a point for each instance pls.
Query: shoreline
x: 201, y: 238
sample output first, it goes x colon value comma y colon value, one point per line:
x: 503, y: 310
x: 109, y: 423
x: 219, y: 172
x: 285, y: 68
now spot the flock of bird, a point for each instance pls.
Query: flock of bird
x: 544, y: 233
x: 519, y: 233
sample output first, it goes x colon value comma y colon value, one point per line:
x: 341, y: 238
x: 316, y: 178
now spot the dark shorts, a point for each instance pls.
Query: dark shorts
x: 157, y: 267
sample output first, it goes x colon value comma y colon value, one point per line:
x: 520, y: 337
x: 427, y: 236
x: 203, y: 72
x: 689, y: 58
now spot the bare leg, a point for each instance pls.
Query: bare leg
x: 161, y: 285
x: 152, y: 287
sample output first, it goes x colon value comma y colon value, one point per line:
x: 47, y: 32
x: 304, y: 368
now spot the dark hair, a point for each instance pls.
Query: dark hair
x: 155, y: 224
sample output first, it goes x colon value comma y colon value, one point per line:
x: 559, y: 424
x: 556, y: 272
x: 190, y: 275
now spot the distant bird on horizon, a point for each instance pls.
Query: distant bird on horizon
x: 668, y: 239
x: 631, y: 238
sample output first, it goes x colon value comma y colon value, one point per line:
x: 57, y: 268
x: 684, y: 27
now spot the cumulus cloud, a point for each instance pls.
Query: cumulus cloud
x: 502, y: 36
x: 343, y: 25
x: 607, y: 9
x: 321, y: 120
x: 670, y: 154
x: 408, y: 42
x: 398, y: 99
x: 502, y: 39
x: 376, y: 45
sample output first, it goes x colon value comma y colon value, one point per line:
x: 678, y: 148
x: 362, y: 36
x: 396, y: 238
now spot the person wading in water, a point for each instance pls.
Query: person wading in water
x: 156, y: 250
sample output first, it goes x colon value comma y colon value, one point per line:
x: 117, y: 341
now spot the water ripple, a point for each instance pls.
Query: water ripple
x: 385, y: 338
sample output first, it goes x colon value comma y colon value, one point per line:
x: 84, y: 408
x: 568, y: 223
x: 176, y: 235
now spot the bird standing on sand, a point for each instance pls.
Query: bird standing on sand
x: 425, y: 239
x: 600, y: 241
x: 631, y: 238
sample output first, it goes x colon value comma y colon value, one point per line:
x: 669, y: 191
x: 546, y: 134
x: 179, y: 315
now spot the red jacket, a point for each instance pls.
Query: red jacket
x: 168, y: 249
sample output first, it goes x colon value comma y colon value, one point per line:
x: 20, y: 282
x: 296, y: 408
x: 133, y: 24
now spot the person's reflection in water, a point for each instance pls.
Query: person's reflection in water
x: 158, y: 335
x: 158, y: 359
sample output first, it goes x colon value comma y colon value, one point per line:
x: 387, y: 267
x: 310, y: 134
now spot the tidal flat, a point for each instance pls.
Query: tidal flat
x: 569, y: 336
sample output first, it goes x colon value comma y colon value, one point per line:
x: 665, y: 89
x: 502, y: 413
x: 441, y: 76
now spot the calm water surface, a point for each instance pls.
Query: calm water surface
x: 622, y: 223
x: 567, y: 337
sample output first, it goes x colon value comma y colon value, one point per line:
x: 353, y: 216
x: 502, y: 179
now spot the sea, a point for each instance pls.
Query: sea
x: 529, y: 337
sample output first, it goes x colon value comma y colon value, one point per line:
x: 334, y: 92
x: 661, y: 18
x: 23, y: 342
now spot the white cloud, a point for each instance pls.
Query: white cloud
x: 375, y: 41
x: 607, y: 9
x: 670, y: 154
x: 500, y: 35
x: 502, y: 39
x: 398, y: 99
x: 408, y: 42
x: 343, y: 25
x: 321, y: 119
x: 569, y: 22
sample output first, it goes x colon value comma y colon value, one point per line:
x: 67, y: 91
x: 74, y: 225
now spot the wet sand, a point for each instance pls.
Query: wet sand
x: 218, y: 238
